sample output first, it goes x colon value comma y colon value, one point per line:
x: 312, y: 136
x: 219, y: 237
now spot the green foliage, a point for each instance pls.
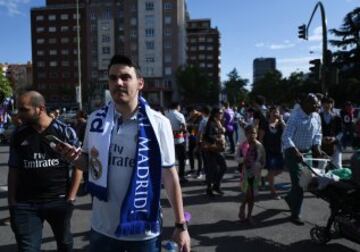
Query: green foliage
x: 348, y: 43
x: 5, y: 86
x: 235, y: 88
x: 195, y: 87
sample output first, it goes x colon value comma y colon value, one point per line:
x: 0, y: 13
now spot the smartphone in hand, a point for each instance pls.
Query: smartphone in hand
x: 53, y: 140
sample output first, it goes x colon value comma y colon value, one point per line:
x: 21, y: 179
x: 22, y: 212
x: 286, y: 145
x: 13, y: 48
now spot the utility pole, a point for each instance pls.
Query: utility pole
x: 79, y: 97
x: 325, y: 59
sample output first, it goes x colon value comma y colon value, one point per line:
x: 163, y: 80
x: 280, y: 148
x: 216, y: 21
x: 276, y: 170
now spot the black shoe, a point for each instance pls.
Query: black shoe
x: 218, y: 190
x: 297, y: 220
x: 210, y: 193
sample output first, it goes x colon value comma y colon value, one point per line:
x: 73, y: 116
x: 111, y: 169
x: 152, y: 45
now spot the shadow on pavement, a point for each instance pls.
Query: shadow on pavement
x: 85, y: 238
x: 228, y: 243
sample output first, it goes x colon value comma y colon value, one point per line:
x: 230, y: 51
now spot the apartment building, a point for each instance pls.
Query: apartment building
x: 261, y: 66
x: 203, y: 48
x: 151, y: 32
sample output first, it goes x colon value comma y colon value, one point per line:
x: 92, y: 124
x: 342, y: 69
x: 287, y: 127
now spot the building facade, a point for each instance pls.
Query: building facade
x: 19, y: 75
x: 203, y: 48
x: 151, y: 32
x: 262, y: 66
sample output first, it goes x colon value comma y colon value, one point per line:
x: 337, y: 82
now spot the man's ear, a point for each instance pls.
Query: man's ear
x: 141, y: 83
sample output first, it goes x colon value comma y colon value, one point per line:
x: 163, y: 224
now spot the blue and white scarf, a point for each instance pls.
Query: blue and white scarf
x: 140, y: 208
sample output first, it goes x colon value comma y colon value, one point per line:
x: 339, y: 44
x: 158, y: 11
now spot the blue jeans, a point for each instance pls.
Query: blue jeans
x: 103, y: 243
x: 27, y: 222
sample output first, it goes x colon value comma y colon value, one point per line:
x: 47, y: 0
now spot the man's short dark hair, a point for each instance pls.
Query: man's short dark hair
x: 118, y: 59
x: 174, y: 105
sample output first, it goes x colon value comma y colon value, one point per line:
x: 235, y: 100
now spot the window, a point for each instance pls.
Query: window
x: 210, y: 48
x: 39, y: 18
x: 149, y: 20
x: 193, y: 57
x: 52, y: 41
x: 201, y: 56
x: 210, y: 40
x: 150, y: 45
x: 133, y: 34
x: 105, y: 38
x: 202, y: 65
x: 167, y: 20
x: 75, y: 39
x: 133, y: 47
x: 52, y: 17
x: 149, y: 59
x: 193, y: 48
x: 40, y: 29
x: 53, y: 52
x: 201, y: 48
x: 193, y: 40
x: 64, y: 28
x: 64, y: 52
x: 64, y: 16
x: 41, y: 75
x: 168, y: 71
x: 65, y: 63
x: 133, y: 21
x: 40, y: 53
x: 168, y: 6
x: 53, y: 63
x: 106, y: 50
x: 149, y: 6
x: 210, y: 65
x: 105, y: 26
x: 65, y: 75
x: 75, y: 16
x: 53, y: 75
x: 52, y: 29
x: 41, y: 64
x: 167, y: 58
x: 64, y: 40
x: 168, y: 32
x: 210, y: 57
x: 40, y: 41
x: 201, y: 39
x: 149, y: 32
x: 167, y: 44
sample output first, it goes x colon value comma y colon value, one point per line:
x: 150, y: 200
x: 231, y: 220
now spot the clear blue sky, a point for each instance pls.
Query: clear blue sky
x: 249, y: 29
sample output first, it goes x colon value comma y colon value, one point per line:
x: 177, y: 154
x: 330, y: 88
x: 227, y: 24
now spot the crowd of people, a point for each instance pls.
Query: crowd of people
x: 128, y: 150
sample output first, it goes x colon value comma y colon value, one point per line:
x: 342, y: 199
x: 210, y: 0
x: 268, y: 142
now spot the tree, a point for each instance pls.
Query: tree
x: 5, y: 86
x: 235, y: 87
x: 195, y: 87
x: 348, y: 55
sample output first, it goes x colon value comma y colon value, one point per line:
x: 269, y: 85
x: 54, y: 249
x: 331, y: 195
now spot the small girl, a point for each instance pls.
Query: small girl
x: 254, y: 161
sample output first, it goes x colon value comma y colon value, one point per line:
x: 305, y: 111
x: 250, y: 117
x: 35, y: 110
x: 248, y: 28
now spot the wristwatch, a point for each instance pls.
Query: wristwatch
x: 181, y: 226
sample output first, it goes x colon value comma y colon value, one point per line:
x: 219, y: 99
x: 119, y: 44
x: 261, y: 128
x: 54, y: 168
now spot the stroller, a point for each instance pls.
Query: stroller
x: 343, y: 197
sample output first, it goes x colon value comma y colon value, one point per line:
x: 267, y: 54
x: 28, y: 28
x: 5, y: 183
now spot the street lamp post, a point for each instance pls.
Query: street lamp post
x: 325, y: 59
x: 78, y: 55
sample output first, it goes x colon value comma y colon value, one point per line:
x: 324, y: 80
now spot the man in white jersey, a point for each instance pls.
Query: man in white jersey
x: 109, y: 232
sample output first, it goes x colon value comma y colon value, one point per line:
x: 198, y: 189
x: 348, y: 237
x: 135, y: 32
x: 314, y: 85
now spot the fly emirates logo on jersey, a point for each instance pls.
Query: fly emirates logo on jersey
x: 40, y: 161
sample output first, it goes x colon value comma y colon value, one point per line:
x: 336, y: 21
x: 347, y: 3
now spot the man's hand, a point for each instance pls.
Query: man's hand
x: 68, y: 152
x: 182, y: 238
x: 297, y: 155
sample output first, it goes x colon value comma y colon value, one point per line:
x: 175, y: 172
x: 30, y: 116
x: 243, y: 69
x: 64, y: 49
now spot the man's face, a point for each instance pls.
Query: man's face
x: 124, y: 85
x: 311, y: 104
x: 28, y: 113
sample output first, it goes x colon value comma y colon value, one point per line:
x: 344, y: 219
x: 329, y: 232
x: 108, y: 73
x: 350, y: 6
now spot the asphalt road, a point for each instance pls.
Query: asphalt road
x: 214, y: 225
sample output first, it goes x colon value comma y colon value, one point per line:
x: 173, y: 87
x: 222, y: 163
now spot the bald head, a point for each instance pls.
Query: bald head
x: 35, y: 98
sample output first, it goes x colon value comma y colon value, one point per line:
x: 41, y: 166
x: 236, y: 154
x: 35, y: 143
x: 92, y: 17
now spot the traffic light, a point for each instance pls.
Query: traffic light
x: 302, y: 33
x: 315, y: 67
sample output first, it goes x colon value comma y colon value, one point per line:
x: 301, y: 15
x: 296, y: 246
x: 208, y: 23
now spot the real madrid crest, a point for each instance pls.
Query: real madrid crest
x: 95, y: 164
